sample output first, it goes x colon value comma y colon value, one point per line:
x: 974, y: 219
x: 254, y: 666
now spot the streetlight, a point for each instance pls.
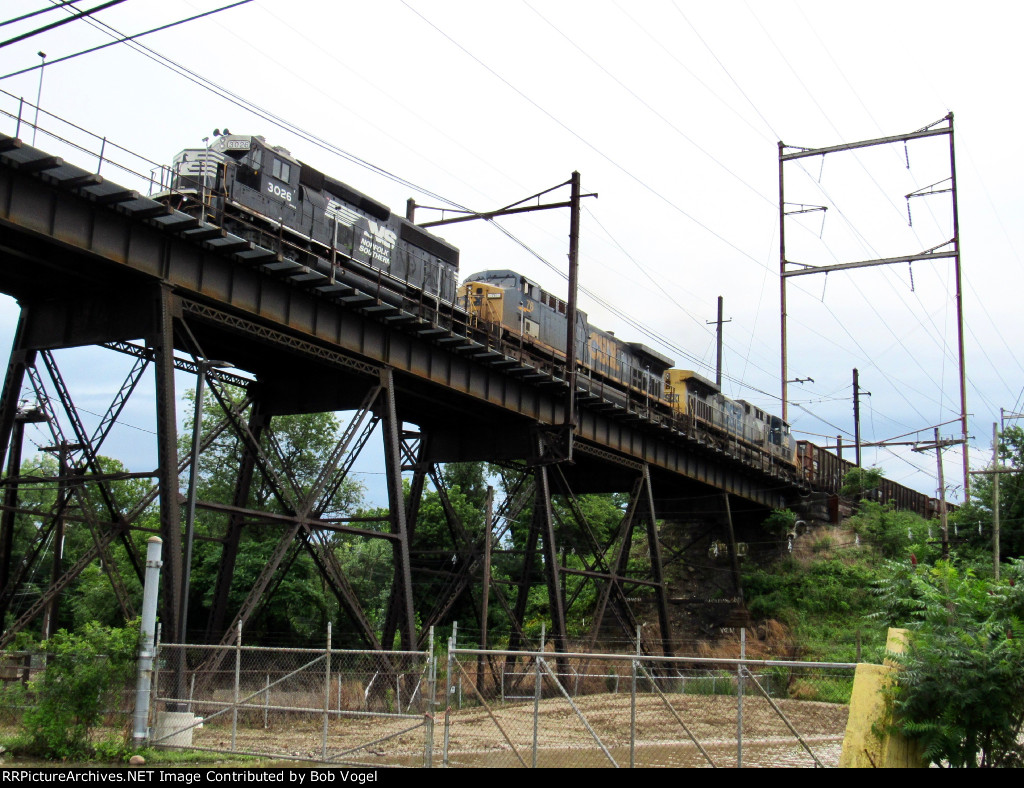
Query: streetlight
x: 202, y: 366
x: 39, y: 96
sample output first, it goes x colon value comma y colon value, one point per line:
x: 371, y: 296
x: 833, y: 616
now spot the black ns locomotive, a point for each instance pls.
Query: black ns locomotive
x: 259, y: 192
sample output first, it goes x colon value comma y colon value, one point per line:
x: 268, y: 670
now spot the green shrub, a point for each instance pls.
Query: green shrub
x: 961, y: 688
x: 85, y: 672
x: 780, y: 522
x: 859, y: 481
x: 895, y: 533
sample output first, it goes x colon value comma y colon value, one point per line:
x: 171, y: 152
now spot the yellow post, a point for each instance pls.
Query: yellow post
x: 867, y: 744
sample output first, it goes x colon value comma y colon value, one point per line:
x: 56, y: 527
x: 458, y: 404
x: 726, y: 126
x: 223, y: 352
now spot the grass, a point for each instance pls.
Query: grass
x: 115, y: 752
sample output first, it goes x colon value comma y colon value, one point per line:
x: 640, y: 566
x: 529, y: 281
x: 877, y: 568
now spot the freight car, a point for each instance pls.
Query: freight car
x: 825, y: 471
x: 517, y: 310
x: 262, y: 194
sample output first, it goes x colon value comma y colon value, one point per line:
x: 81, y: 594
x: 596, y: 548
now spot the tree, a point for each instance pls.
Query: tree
x: 978, y: 511
x: 88, y: 597
x: 860, y: 481
x: 302, y: 602
x: 961, y: 687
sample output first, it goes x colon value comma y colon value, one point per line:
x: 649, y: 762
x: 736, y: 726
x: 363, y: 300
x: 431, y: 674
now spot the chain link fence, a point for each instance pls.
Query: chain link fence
x: 539, y: 709
x: 481, y: 708
x: 352, y: 708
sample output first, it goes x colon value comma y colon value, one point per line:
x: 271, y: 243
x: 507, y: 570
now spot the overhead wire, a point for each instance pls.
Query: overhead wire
x: 124, y: 39
x: 911, y: 355
x: 763, y: 118
x: 292, y: 127
x: 262, y: 113
x: 61, y: 22
x: 31, y: 14
x: 613, y: 162
x: 439, y: 197
x: 646, y: 104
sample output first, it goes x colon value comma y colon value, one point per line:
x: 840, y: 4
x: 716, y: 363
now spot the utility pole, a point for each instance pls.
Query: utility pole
x: 1007, y: 414
x: 939, y: 445
x: 856, y: 412
x: 995, y: 472
x: 718, y: 331
x: 63, y: 451
x: 570, y: 310
x: 948, y: 250
x: 568, y: 427
x: 995, y: 502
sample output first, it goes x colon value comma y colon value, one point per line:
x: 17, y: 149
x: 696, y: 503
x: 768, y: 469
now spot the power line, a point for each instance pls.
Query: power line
x: 124, y: 39
x: 75, y: 17
x: 31, y: 14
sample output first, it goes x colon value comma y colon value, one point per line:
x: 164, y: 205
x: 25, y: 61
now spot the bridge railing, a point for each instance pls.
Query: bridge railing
x: 79, y: 146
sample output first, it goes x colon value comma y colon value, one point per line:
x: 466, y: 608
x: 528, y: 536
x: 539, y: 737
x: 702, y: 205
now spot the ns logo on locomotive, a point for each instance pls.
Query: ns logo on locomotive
x: 261, y: 193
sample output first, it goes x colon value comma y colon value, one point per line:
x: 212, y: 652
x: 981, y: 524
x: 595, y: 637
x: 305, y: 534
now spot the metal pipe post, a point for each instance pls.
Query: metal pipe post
x: 632, y: 705
x: 739, y: 699
x: 447, y: 702
x: 238, y: 679
x: 147, y: 641
x: 428, y: 739
x: 536, y: 697
x: 327, y: 691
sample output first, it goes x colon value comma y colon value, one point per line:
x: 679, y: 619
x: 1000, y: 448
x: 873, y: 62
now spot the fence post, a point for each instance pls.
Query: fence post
x: 739, y: 698
x: 147, y: 641
x: 327, y: 690
x: 632, y: 705
x: 428, y: 737
x: 156, y: 662
x: 449, y: 690
x: 536, y: 696
x: 238, y: 676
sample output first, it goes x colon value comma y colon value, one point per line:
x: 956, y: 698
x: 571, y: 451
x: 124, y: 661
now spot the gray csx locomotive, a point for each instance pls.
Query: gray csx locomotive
x: 627, y: 373
x: 261, y: 193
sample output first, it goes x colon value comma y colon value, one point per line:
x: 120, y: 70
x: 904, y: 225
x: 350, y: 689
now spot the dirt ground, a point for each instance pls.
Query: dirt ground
x: 503, y: 736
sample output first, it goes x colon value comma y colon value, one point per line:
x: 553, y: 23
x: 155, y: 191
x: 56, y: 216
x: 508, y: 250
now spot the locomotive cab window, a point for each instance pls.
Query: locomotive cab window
x: 281, y: 170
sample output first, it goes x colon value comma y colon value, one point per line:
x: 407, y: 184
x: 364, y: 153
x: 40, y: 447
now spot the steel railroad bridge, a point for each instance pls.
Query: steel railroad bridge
x: 93, y: 263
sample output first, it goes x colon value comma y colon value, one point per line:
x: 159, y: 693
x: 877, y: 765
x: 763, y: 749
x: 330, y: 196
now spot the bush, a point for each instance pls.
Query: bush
x: 895, y: 533
x: 859, y: 481
x: 780, y: 522
x: 961, y: 690
x: 84, y: 676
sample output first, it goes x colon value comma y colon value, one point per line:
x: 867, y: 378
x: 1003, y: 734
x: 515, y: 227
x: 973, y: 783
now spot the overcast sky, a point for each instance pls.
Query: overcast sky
x: 672, y: 112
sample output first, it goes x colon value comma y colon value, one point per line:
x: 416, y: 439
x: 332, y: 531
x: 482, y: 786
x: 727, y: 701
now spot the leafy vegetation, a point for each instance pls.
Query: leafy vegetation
x: 860, y: 481
x: 961, y: 687
x: 86, y: 673
x: 780, y: 522
x: 974, y: 520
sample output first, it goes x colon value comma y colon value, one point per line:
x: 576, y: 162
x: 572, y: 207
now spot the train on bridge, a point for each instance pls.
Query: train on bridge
x: 263, y: 194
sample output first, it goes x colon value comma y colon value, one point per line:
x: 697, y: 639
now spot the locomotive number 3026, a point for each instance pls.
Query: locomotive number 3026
x: 277, y: 191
